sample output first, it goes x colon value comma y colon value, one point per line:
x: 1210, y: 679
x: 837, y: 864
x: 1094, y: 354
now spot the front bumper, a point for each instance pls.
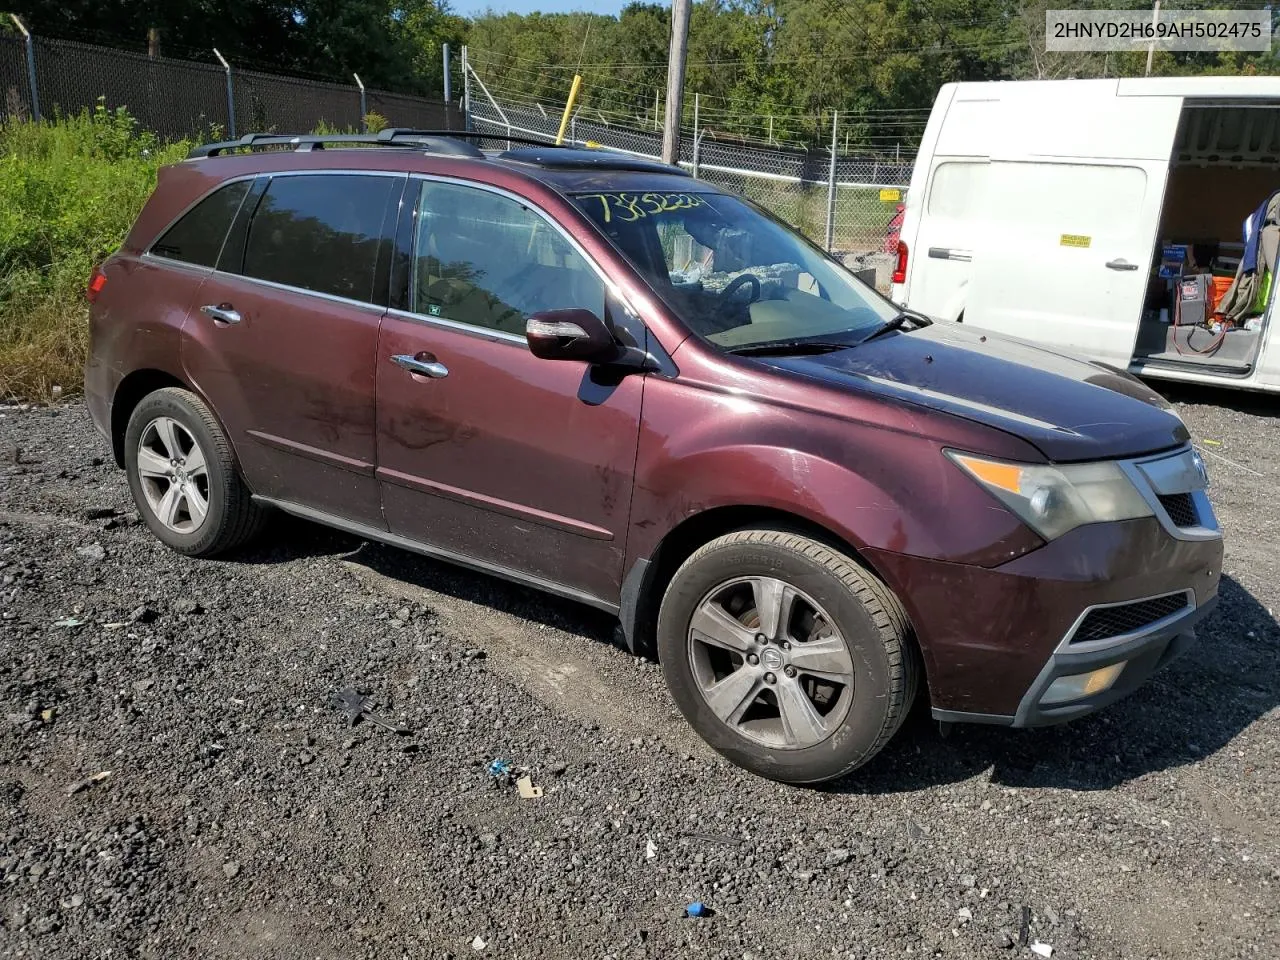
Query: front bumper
x: 1142, y: 653
x: 994, y: 639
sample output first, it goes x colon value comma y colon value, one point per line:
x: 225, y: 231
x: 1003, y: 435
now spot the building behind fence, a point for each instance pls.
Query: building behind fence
x: 183, y: 98
x: 850, y: 206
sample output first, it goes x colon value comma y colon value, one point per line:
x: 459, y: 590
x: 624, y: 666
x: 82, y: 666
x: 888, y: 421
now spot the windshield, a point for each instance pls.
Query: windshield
x: 735, y: 276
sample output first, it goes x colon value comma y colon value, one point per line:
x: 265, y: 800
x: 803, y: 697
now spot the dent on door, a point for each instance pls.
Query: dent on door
x: 515, y: 461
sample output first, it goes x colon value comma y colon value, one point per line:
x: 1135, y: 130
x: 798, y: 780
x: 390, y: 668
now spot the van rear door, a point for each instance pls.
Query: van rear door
x: 1064, y: 256
x: 943, y: 244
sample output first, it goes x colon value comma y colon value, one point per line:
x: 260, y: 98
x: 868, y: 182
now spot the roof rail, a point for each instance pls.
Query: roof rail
x: 449, y: 142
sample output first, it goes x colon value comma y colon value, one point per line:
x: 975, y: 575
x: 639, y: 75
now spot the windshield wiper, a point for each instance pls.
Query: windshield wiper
x: 781, y: 348
x: 919, y: 319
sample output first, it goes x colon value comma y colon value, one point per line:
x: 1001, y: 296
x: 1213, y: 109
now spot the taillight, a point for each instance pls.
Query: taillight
x: 97, y: 280
x: 900, y: 268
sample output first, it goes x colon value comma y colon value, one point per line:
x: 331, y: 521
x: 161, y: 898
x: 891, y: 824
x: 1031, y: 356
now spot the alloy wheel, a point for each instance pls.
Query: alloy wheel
x: 174, y: 475
x: 770, y: 662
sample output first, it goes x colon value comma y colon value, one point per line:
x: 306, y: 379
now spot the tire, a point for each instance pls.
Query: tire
x: 834, y: 605
x: 199, y: 511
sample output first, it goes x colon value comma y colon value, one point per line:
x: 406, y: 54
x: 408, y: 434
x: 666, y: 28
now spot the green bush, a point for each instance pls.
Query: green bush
x: 70, y: 189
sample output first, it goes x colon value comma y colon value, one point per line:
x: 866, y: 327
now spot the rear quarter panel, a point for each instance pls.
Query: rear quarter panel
x: 136, y: 324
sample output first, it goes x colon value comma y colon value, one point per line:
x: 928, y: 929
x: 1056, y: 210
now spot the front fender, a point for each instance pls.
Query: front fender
x: 872, y: 486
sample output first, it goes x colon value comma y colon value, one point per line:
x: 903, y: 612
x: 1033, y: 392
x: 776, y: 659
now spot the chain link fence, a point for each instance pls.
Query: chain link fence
x: 856, y: 204
x: 183, y: 98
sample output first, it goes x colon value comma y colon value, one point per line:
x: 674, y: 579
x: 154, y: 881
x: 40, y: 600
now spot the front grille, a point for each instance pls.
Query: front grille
x: 1181, y: 509
x: 1107, y: 622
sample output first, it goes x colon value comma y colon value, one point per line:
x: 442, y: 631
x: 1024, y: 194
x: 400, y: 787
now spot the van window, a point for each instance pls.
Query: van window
x: 321, y: 232
x: 1067, y: 198
x: 198, y: 237
x: 489, y: 261
x: 957, y: 189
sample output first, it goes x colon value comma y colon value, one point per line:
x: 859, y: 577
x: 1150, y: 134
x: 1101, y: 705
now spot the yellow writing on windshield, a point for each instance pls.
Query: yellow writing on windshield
x: 627, y: 207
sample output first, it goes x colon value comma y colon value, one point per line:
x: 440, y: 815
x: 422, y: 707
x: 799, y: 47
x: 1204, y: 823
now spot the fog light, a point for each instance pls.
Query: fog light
x: 1077, y: 686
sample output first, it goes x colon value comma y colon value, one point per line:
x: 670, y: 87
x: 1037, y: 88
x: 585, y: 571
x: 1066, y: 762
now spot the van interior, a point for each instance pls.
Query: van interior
x: 1201, y: 310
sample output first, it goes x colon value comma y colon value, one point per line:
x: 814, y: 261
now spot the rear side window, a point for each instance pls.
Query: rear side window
x: 959, y: 188
x: 322, y: 232
x: 198, y: 236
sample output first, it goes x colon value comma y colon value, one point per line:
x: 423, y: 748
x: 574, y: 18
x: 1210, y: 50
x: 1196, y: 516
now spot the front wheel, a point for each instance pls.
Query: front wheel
x: 786, y: 656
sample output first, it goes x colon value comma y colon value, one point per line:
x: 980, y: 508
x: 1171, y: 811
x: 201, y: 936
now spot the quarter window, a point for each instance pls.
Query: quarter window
x: 489, y: 261
x: 321, y: 232
x: 198, y: 236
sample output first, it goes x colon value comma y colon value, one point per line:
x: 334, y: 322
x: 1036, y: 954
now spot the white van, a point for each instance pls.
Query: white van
x: 1041, y: 209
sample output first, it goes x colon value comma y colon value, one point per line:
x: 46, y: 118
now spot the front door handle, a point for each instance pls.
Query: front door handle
x: 424, y: 364
x: 1121, y: 264
x: 221, y: 313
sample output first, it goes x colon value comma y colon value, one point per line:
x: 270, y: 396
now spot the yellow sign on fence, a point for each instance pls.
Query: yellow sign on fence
x: 890, y: 195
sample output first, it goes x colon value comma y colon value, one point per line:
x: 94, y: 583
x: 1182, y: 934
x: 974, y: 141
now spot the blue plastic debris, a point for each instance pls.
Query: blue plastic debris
x: 697, y: 909
x: 498, y: 768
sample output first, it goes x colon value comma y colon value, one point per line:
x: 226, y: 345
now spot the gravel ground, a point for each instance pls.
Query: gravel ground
x: 243, y: 817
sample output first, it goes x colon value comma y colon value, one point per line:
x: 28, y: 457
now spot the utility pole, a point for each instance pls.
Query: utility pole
x: 675, y: 79
x: 448, y: 87
x: 1151, y: 47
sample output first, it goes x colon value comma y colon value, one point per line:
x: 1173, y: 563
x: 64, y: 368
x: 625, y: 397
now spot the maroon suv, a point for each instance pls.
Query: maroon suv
x: 599, y: 377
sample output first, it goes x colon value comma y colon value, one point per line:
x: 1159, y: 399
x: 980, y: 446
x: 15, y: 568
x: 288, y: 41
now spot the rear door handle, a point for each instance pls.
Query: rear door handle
x: 951, y: 253
x: 424, y: 364
x: 1121, y: 264
x: 221, y: 313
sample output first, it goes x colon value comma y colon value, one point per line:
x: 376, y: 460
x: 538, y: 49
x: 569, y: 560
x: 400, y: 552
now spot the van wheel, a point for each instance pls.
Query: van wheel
x: 183, y: 476
x: 785, y: 655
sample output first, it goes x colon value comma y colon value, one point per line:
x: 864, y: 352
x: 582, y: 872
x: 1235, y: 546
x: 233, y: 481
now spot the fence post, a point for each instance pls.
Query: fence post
x: 448, y: 92
x: 466, y: 87
x: 231, y: 95
x: 31, y: 64
x: 831, y: 181
x: 364, y: 107
x: 697, y: 140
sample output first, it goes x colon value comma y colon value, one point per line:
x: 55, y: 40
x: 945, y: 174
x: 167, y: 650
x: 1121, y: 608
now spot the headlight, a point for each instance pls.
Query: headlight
x: 1053, y: 500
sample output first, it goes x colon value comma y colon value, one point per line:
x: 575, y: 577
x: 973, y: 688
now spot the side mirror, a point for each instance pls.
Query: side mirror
x: 571, y: 335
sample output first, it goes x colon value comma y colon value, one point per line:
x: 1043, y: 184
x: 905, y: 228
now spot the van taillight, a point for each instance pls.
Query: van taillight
x: 97, y: 280
x: 900, y: 268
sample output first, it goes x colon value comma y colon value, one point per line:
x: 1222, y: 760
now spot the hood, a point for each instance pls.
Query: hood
x: 1069, y: 409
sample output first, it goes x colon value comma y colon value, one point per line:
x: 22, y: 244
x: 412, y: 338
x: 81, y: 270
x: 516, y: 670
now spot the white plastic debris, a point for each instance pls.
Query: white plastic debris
x: 478, y: 943
x: 650, y: 850
x: 1041, y: 949
x: 965, y: 914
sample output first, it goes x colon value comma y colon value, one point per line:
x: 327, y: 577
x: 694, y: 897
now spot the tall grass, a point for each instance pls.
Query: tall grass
x: 70, y: 189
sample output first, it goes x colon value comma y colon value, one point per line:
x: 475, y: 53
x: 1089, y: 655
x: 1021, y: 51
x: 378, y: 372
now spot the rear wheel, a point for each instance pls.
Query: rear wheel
x: 183, y: 476
x: 785, y: 655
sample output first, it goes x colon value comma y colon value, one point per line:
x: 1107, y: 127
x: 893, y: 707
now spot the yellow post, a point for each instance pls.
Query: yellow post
x: 568, y: 107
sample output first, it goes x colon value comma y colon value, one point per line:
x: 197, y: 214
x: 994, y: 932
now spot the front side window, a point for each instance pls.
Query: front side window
x: 489, y: 261
x: 737, y: 277
x: 198, y: 236
x: 321, y: 232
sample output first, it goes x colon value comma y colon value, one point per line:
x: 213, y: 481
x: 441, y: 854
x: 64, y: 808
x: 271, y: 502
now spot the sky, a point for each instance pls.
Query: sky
x: 469, y: 8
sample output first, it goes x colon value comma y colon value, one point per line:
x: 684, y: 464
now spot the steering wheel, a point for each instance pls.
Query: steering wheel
x: 736, y: 284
